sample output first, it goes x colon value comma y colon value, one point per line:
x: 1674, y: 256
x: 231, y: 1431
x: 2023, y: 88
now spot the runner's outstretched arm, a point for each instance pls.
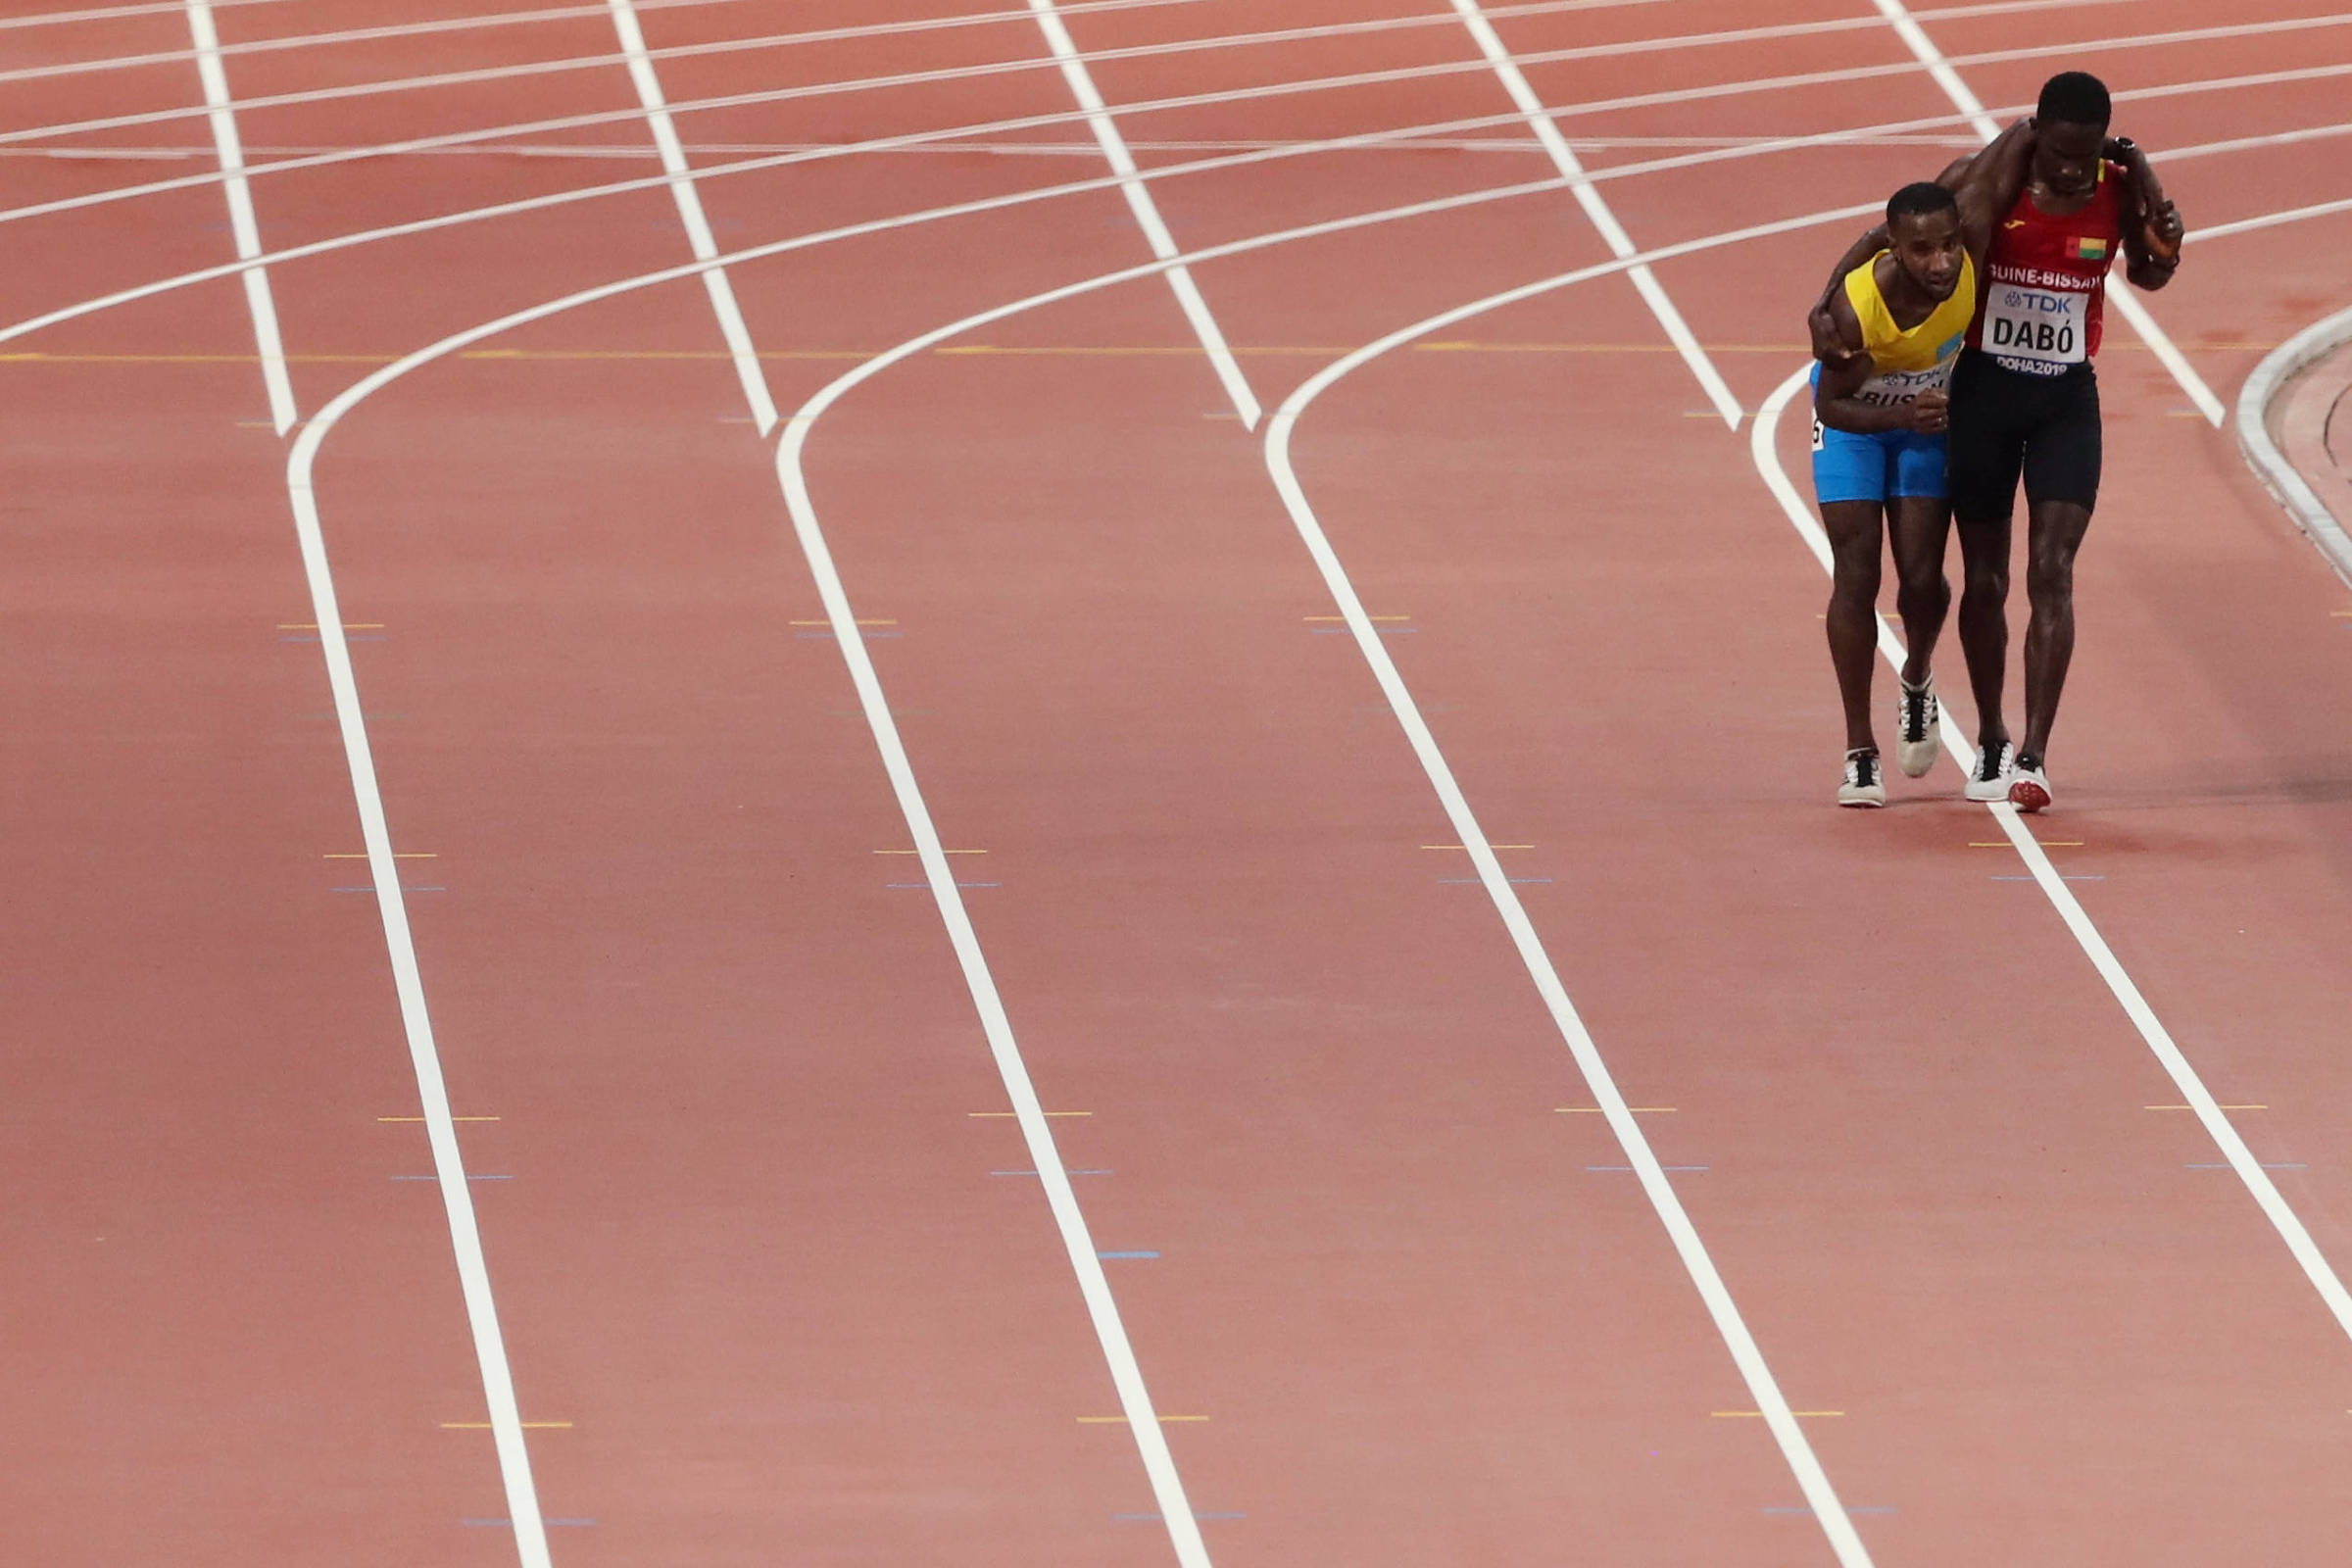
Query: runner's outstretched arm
x: 1999, y: 166
x: 1989, y: 185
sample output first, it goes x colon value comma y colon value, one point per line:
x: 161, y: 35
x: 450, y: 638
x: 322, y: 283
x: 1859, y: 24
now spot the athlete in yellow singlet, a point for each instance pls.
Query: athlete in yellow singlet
x: 1896, y: 317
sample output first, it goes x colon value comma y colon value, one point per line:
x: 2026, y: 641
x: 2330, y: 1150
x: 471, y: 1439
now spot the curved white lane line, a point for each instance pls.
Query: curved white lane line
x: 2126, y: 304
x: 259, y: 303
x: 425, y: 1058
x: 1763, y: 1388
x: 1145, y: 212
x: 2159, y: 1041
x: 1227, y: 41
x: 1612, y: 233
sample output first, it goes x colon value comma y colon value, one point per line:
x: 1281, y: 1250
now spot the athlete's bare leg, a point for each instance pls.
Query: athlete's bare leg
x: 1855, y: 532
x: 2054, y: 533
x: 1984, y: 621
x: 1918, y: 527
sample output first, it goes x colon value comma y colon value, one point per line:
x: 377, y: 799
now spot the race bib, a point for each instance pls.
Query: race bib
x: 2039, y: 329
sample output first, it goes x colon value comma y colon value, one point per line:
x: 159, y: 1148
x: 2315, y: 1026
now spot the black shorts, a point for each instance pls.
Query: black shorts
x: 2005, y: 425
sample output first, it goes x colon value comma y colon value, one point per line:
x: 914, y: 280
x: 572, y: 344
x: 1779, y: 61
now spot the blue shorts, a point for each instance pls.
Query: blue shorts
x: 1874, y: 467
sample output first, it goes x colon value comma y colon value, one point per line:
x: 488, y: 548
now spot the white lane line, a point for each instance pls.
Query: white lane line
x: 473, y: 138
x: 510, y: 19
x: 835, y: 86
x: 862, y: 31
x: 257, y: 299
x: 448, y: 1163
x: 2159, y: 1040
x: 1612, y: 232
x: 2246, y: 226
x: 141, y: 291
x: 2127, y: 303
x: 1763, y: 1388
x: 1044, y: 1156
x: 58, y: 19
x: 690, y: 214
x: 1194, y: 45
x: 1146, y: 212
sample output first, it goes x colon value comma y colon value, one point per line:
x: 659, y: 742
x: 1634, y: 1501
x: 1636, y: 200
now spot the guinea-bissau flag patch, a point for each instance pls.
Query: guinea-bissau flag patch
x: 2091, y: 250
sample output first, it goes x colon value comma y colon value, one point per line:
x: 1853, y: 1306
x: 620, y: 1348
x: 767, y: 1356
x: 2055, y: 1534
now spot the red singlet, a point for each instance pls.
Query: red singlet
x: 2045, y: 279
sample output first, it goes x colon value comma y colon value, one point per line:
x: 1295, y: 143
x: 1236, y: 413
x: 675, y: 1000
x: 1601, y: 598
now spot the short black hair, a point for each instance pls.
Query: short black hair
x: 2073, y: 98
x: 1918, y: 198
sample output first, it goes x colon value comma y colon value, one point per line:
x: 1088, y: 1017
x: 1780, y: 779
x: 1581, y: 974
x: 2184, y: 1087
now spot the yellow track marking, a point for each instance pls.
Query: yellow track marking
x: 485, y: 1426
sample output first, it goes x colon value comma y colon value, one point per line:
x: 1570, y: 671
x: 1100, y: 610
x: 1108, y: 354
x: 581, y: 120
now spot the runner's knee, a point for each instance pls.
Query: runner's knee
x: 1987, y: 577
x: 1926, y: 584
x: 2050, y: 577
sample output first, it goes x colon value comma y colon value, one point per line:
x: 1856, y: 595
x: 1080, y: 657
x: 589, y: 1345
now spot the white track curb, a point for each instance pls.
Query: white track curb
x: 2311, y: 514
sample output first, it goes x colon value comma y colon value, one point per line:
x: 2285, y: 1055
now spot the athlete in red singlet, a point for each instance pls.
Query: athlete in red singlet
x: 2026, y: 404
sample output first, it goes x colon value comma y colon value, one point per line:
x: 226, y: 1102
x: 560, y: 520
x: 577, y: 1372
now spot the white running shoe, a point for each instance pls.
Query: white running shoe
x: 2030, y: 786
x: 1990, y: 779
x: 1915, y: 741
x: 1865, y: 784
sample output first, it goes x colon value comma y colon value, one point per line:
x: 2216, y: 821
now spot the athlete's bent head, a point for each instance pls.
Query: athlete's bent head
x: 1922, y: 231
x: 2069, y: 127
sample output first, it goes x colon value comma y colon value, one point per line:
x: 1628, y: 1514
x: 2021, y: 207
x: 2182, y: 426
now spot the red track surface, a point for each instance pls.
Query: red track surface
x: 745, y: 1237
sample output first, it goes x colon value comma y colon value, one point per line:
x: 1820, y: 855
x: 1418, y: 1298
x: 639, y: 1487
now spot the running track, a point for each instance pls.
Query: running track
x: 1354, y: 916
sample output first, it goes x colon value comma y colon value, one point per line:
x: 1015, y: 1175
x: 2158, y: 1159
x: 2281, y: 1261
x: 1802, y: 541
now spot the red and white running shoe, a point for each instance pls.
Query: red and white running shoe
x: 2029, y: 785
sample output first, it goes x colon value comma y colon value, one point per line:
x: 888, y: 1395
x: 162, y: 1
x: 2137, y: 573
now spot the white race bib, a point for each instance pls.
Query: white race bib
x: 2035, y: 330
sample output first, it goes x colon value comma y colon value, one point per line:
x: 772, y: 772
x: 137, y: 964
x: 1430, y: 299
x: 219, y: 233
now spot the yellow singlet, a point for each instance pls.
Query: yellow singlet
x: 1908, y: 364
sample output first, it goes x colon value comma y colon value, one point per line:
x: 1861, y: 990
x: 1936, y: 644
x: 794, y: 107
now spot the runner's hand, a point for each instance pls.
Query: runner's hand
x: 2163, y: 232
x: 1829, y: 344
x: 1932, y: 413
